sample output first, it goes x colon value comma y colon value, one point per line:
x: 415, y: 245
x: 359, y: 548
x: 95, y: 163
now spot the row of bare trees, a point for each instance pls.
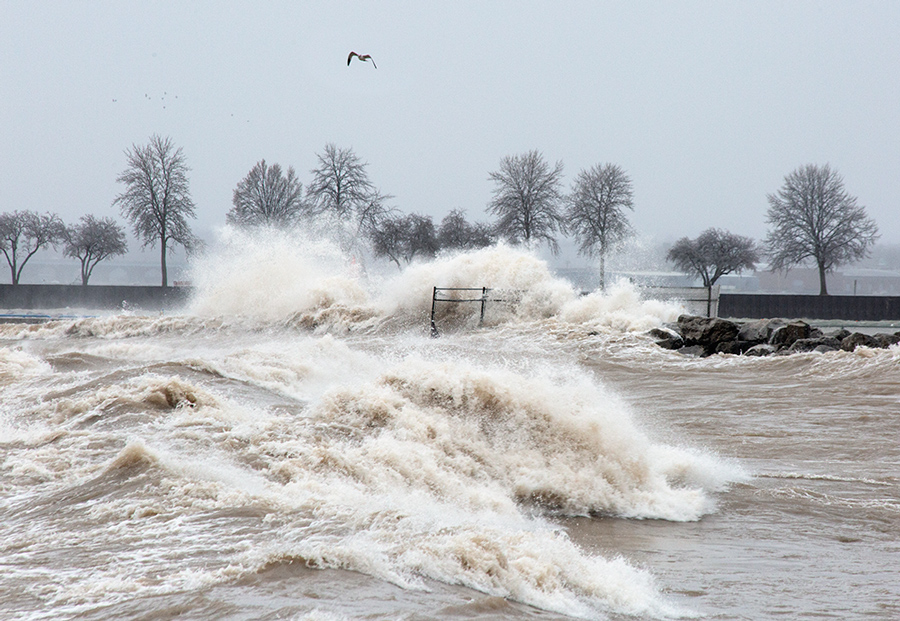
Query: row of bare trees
x: 812, y: 217
x: 531, y: 206
x: 342, y: 200
x: 156, y: 201
x: 90, y: 240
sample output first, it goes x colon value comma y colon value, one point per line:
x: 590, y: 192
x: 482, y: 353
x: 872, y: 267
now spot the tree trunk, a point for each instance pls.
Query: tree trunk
x: 709, y: 300
x: 13, y: 277
x: 162, y: 262
x: 823, y: 290
x: 602, y: 272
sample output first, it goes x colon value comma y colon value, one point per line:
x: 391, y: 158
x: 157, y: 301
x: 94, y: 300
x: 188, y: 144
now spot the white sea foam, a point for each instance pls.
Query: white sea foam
x: 436, y: 470
x: 16, y: 365
x: 619, y: 308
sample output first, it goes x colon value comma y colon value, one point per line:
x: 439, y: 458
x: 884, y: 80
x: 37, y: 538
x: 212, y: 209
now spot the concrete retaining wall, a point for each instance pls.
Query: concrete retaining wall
x: 848, y: 307
x: 93, y: 297
x: 745, y: 305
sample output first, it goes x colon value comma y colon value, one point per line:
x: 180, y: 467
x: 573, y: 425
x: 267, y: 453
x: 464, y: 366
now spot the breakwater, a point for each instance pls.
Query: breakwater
x: 704, y: 336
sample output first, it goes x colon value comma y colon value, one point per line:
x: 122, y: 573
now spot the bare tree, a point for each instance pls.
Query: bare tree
x: 93, y: 240
x: 596, y: 214
x: 405, y: 237
x: 388, y: 239
x: 527, y: 199
x: 813, y: 217
x: 23, y: 233
x: 157, y: 199
x: 341, y: 189
x: 266, y: 196
x: 712, y: 255
x: 456, y: 233
x: 423, y: 240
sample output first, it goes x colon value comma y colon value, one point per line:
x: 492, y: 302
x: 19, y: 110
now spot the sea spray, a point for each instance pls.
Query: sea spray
x: 274, y: 276
x: 554, y: 440
x: 154, y: 464
x: 271, y: 274
x: 438, y: 470
x: 509, y: 273
x: 16, y: 364
x: 620, y: 308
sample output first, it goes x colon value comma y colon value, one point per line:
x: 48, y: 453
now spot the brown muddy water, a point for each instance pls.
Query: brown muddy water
x: 334, y: 462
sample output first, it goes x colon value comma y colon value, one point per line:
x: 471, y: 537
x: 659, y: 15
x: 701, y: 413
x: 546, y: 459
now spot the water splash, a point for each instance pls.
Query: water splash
x: 283, y: 277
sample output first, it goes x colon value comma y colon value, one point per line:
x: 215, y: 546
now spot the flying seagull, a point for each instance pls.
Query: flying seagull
x: 362, y: 57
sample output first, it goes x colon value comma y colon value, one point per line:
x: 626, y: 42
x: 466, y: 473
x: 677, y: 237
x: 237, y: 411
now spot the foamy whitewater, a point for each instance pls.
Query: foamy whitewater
x: 296, y: 445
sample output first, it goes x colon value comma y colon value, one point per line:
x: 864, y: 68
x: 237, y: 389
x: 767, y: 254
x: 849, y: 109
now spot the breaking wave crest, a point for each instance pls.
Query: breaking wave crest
x: 475, y: 434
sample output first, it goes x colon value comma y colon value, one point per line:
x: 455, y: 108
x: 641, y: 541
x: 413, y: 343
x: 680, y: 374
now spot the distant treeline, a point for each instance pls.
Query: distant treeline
x: 812, y: 218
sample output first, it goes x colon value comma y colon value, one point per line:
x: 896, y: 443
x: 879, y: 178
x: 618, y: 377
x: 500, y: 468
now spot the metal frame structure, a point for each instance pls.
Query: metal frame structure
x: 483, y: 299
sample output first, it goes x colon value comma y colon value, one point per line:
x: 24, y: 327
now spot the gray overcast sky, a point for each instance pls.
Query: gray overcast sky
x: 707, y: 105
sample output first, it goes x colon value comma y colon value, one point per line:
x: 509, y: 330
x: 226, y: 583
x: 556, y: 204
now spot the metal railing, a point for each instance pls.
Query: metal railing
x: 482, y: 299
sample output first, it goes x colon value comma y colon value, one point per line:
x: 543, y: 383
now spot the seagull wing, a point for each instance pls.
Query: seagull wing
x: 350, y: 56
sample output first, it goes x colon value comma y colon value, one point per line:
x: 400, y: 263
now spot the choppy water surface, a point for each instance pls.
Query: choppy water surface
x: 296, y: 446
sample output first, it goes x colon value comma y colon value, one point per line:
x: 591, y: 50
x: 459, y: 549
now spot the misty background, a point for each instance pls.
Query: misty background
x: 705, y: 105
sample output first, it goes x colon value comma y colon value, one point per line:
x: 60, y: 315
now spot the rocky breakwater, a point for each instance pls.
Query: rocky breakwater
x: 704, y: 336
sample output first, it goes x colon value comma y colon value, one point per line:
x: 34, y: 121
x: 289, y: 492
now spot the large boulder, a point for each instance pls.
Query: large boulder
x: 760, y: 331
x: 667, y: 338
x: 858, y: 339
x: 824, y: 349
x: 790, y: 332
x: 839, y: 334
x: 821, y: 344
x: 886, y: 340
x: 733, y: 347
x: 693, y: 351
x: 706, y: 331
x: 763, y: 349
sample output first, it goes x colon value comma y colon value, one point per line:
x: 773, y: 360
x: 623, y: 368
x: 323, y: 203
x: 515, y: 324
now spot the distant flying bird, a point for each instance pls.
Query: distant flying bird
x: 362, y: 57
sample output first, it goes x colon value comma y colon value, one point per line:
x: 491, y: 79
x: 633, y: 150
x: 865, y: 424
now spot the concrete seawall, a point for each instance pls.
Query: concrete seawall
x: 745, y: 305
x: 94, y: 297
x: 847, y: 307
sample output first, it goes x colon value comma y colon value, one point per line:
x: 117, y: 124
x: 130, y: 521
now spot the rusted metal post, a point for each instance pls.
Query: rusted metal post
x: 434, y: 330
x: 483, y: 301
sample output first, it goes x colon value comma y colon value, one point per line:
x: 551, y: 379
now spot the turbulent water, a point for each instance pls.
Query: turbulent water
x: 296, y: 445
